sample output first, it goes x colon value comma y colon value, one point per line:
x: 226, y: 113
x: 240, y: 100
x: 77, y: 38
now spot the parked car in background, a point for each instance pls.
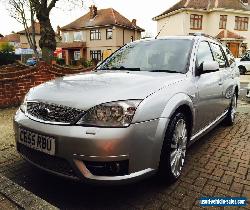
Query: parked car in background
x: 134, y: 115
x: 31, y: 62
x: 248, y: 93
x: 243, y: 63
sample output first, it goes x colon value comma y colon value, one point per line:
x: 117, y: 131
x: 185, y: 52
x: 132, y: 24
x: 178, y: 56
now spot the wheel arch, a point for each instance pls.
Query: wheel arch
x: 186, y: 110
x: 181, y: 103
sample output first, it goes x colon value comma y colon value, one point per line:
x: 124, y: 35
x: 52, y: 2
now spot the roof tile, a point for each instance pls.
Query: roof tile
x: 226, y: 34
x: 206, y: 5
x: 104, y: 17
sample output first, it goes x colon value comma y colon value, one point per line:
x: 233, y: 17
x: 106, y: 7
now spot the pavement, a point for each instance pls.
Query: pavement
x: 217, y: 165
x: 13, y: 195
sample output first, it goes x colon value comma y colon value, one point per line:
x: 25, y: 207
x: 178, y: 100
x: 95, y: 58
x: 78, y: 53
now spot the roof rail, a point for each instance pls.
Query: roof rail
x: 205, y: 35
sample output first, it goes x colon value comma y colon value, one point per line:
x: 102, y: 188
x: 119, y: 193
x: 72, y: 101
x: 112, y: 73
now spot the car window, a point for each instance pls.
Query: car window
x: 246, y: 57
x: 229, y: 55
x: 204, y: 53
x: 218, y: 55
x: 153, y: 55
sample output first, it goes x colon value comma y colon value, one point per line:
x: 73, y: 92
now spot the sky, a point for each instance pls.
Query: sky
x: 63, y: 14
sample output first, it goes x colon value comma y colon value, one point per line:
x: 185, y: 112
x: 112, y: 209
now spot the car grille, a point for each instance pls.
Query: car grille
x: 54, y: 113
x: 49, y: 162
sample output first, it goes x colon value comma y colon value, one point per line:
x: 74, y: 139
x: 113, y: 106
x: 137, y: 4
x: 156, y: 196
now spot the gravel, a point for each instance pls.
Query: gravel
x: 6, y: 131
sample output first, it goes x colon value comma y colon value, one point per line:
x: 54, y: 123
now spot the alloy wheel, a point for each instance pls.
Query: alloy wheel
x: 178, y: 147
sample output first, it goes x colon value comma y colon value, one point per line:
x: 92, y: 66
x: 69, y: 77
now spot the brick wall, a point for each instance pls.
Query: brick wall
x: 15, y: 83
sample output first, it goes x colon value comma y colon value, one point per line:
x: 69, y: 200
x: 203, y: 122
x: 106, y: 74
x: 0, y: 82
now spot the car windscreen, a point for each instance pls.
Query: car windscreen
x: 170, y: 55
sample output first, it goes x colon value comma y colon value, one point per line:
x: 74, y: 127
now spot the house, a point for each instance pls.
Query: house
x: 227, y: 20
x: 13, y: 39
x: 25, y: 49
x: 97, y: 34
x: 24, y: 44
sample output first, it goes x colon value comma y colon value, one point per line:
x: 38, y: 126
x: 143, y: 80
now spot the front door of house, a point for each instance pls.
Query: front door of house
x: 234, y: 48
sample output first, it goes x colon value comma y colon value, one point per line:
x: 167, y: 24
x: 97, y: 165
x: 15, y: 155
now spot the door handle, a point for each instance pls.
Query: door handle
x: 220, y: 83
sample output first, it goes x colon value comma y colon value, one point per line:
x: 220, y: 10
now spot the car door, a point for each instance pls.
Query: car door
x: 209, y: 86
x: 228, y: 75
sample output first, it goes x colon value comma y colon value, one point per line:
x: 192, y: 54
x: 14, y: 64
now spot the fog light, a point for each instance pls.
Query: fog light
x: 114, y: 168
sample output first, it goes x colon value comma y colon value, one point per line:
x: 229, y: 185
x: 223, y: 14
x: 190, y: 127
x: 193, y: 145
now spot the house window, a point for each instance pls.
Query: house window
x: 241, y: 23
x: 95, y: 34
x: 96, y: 55
x: 78, y: 36
x: 196, y: 22
x: 66, y: 37
x: 77, y: 55
x: 109, y: 33
x: 223, y: 22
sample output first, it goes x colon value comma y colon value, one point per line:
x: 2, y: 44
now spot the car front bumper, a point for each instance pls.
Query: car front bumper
x: 77, y: 147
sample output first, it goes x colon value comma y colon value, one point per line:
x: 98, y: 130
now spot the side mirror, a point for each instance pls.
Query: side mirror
x: 208, y: 66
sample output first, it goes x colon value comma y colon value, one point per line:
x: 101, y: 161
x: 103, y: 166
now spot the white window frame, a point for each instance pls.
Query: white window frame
x: 76, y: 34
x: 77, y: 55
x: 66, y: 37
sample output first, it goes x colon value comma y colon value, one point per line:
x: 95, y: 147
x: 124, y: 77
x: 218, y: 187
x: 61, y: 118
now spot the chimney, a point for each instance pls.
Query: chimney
x: 58, y: 30
x: 93, y: 11
x: 134, y: 22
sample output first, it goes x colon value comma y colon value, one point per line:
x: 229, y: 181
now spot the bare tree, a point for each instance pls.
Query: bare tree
x: 24, y: 13
x: 42, y: 10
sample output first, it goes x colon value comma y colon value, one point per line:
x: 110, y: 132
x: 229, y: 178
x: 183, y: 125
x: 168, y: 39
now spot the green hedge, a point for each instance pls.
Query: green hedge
x: 60, y: 61
x: 7, y: 58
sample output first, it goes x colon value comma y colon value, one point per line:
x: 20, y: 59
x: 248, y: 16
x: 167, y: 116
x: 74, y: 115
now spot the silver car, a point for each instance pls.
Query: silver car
x: 134, y: 115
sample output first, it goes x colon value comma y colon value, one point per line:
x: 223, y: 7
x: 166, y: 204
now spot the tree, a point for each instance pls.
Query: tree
x: 1, y: 35
x: 23, y: 12
x: 5, y: 47
x: 47, y: 42
x: 42, y: 9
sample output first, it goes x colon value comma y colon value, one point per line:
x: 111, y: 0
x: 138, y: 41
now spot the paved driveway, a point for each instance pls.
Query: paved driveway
x: 217, y: 165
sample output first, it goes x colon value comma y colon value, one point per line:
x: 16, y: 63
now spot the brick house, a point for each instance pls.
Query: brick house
x: 228, y: 20
x: 12, y: 39
x: 97, y: 34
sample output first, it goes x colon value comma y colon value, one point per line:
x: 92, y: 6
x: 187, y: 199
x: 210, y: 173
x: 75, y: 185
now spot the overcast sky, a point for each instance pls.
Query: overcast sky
x: 143, y: 11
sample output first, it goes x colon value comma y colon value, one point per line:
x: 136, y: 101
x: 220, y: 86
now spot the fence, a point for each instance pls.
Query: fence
x: 15, y: 81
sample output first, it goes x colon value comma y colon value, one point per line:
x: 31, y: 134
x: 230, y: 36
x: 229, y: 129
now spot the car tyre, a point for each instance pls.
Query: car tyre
x: 174, y: 149
x: 230, y: 118
x: 242, y: 70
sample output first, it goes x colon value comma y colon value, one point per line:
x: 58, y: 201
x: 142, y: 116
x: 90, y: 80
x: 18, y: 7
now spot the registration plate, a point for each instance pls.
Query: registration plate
x: 37, y: 141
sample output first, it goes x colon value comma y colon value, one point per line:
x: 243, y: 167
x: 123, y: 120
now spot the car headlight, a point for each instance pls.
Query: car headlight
x: 113, y: 114
x: 23, y: 106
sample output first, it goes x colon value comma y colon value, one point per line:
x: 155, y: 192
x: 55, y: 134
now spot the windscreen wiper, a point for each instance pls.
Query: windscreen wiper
x: 121, y: 68
x: 168, y: 71
x: 126, y: 68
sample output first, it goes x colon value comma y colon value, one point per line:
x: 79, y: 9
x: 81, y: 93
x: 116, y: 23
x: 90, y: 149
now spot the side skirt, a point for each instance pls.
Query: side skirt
x: 208, y: 128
